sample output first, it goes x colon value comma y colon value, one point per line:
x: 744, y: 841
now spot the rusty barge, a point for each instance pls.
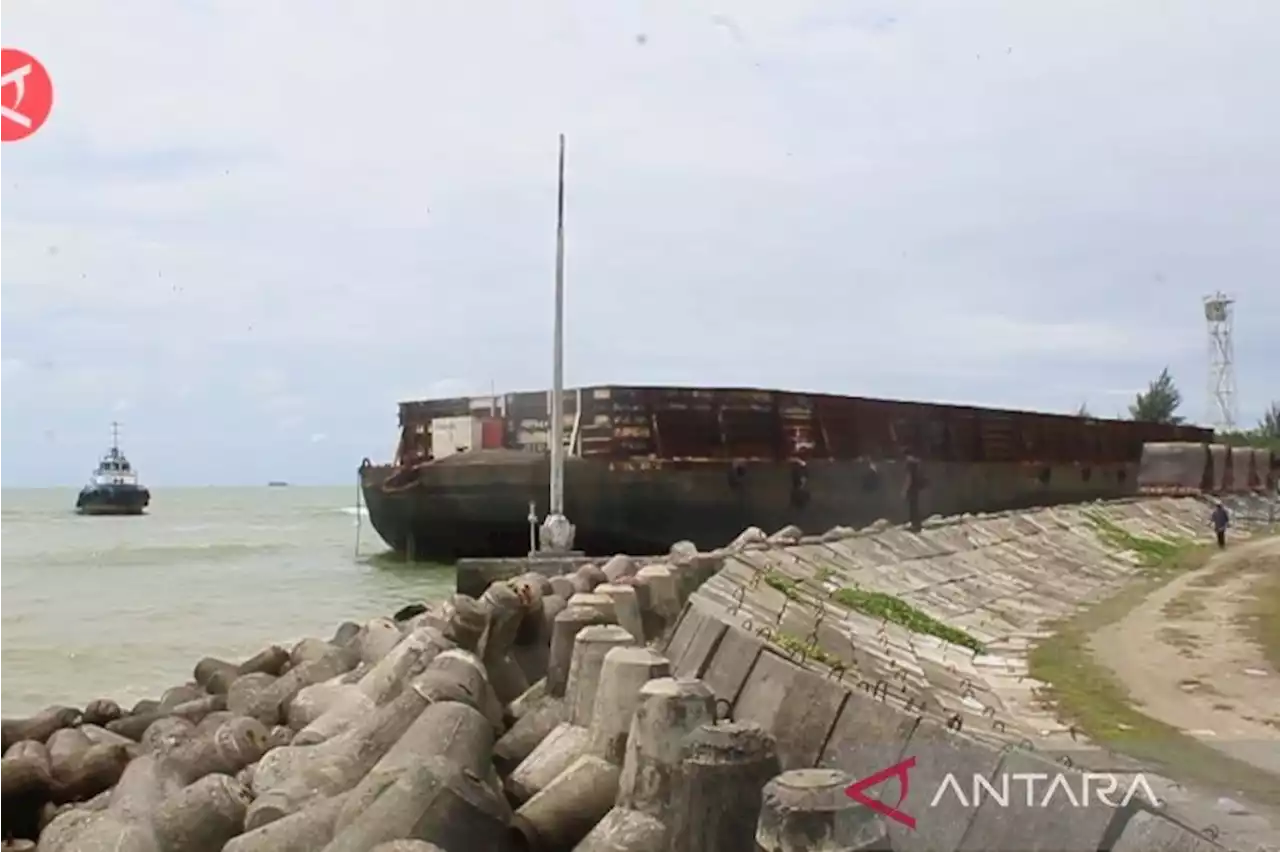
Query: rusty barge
x: 646, y: 466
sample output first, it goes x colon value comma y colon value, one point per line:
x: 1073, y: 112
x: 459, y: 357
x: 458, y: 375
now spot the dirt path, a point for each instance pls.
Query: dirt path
x: 1187, y: 660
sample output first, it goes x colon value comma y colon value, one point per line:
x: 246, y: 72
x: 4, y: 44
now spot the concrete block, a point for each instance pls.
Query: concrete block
x: 626, y: 607
x: 669, y: 710
x: 722, y: 774
x: 455, y: 732
x: 590, y: 647
x: 868, y: 736
x: 1148, y: 832
x: 624, y: 830
x: 569, y: 623
x: 553, y: 755
x: 433, y: 801
x: 732, y: 662
x: 305, y: 831
x: 937, y: 752
x: 528, y: 731
x: 694, y: 641
x: 625, y: 671
x: 563, y: 812
x: 1037, y: 815
x: 797, y: 706
x: 806, y: 810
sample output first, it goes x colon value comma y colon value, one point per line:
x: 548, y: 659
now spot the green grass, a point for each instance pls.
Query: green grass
x: 1086, y: 693
x: 783, y: 583
x: 1153, y: 552
x: 881, y: 605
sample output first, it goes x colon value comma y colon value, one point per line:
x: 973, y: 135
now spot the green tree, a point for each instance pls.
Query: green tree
x: 1159, y: 403
x: 1269, y: 425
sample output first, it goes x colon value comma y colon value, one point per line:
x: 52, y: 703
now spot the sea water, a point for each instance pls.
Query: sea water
x: 123, y: 607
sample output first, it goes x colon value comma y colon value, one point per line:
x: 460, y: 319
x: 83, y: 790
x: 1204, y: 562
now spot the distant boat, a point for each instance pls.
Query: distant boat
x: 114, y: 488
x: 277, y: 483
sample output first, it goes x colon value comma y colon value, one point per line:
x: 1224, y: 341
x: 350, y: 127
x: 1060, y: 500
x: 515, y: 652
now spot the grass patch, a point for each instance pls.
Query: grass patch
x: 1261, y: 617
x: 783, y: 583
x: 881, y: 605
x: 1152, y: 551
x: 1086, y: 693
x: 812, y: 651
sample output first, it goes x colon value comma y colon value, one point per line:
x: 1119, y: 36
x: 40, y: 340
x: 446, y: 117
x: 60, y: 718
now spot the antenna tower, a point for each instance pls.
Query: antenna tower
x: 1219, y: 314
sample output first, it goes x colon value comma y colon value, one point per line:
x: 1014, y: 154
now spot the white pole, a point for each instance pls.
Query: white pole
x: 557, y: 380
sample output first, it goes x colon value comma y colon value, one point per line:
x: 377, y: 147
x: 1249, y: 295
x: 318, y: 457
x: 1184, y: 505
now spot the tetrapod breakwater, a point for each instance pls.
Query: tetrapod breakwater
x: 703, y: 702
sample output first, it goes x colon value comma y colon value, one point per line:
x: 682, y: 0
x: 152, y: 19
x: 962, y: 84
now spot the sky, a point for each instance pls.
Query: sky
x: 248, y: 230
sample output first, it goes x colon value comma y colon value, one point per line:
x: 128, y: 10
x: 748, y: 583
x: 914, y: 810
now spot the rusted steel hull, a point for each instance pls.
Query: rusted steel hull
x: 649, y: 466
x: 644, y: 506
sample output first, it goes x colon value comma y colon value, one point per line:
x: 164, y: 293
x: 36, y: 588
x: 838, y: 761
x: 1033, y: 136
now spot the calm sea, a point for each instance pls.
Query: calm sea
x: 124, y: 607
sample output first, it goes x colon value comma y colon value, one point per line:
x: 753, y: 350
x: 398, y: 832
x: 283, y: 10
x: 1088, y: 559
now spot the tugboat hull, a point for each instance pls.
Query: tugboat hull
x: 112, y: 500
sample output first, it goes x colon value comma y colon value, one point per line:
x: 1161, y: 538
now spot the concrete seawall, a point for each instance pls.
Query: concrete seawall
x: 703, y: 702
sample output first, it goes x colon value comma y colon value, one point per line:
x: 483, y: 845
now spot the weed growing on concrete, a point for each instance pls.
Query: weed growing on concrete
x: 810, y: 651
x: 1152, y: 551
x: 881, y: 605
x: 783, y: 583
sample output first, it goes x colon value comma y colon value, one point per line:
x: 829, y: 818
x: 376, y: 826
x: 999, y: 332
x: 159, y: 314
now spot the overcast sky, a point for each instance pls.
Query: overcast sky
x: 249, y: 229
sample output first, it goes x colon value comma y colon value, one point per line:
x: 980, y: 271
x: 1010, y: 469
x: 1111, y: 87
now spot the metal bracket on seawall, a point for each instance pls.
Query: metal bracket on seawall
x: 556, y: 536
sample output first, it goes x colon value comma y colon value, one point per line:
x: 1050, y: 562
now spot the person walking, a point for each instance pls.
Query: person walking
x: 1220, y: 521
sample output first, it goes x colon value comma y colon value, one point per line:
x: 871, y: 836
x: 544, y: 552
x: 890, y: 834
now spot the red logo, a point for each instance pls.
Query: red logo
x: 26, y: 94
x: 898, y: 770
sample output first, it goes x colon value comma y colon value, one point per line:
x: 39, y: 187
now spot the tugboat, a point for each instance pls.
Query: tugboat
x: 114, y: 488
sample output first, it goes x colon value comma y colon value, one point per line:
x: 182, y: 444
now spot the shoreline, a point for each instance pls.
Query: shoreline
x: 545, y: 678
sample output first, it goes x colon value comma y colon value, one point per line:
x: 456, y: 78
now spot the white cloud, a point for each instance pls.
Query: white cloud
x: 242, y: 214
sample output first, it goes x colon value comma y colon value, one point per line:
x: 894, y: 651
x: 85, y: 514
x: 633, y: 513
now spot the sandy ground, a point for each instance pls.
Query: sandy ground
x: 1187, y: 662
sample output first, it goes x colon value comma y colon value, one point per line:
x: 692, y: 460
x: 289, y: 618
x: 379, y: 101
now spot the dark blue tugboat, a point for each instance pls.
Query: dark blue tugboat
x: 114, y: 488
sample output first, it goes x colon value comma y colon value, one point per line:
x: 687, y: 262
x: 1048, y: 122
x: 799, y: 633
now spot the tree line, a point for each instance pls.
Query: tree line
x: 1159, y: 403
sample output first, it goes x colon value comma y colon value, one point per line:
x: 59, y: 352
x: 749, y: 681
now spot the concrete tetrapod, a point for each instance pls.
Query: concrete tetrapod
x: 568, y: 741
x: 304, y: 831
x: 382, y: 683
x: 806, y: 810
x: 624, y: 830
x: 563, y: 812
x: 624, y: 671
x: 433, y: 800
x: 571, y: 621
x: 626, y: 607
x: 198, y: 818
x: 529, y: 730
x: 669, y: 710
x: 343, y: 764
x: 506, y: 612
x: 717, y: 803
x: 455, y: 732
x: 533, y: 643
x: 406, y: 846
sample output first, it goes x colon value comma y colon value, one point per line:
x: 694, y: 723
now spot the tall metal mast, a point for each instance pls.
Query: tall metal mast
x: 557, y: 374
x: 557, y: 532
x: 115, y: 436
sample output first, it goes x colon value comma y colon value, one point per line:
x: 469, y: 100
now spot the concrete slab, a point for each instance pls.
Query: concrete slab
x: 941, y: 819
x: 797, y: 706
x: 1147, y: 832
x: 694, y: 641
x: 1051, y: 814
x: 732, y: 662
x: 868, y: 736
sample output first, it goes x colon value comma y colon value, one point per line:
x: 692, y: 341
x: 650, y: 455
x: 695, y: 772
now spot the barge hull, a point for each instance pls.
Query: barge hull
x: 648, y: 466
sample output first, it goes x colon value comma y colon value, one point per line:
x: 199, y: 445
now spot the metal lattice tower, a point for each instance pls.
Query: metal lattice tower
x: 1221, y: 398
